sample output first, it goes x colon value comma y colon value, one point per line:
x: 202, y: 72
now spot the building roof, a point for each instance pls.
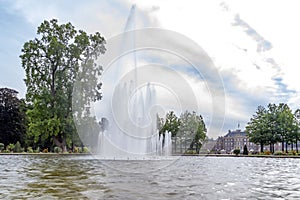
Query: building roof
x: 235, y: 133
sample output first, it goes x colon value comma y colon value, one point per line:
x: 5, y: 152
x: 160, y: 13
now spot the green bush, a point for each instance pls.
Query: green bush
x: 278, y: 153
x: 236, y: 152
x: 37, y: 150
x: 1, y: 146
x: 29, y: 150
x: 10, y: 147
x: 17, y: 148
x: 57, y: 150
x: 76, y: 150
x: 5, y: 151
x: 292, y: 153
x: 189, y: 151
x: 45, y: 150
x: 85, y: 150
x: 267, y: 153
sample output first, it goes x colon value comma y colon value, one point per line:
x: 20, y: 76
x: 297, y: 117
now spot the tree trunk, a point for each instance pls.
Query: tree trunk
x: 292, y: 146
x: 282, y: 146
x: 175, y: 145
x: 261, y: 147
x: 181, y: 145
x: 286, y: 147
x: 72, y: 146
x: 297, y: 146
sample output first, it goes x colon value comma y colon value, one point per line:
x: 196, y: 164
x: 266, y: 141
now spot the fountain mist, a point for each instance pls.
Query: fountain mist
x: 130, y: 126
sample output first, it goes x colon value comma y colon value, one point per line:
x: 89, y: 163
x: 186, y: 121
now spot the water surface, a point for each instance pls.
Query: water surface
x: 83, y: 177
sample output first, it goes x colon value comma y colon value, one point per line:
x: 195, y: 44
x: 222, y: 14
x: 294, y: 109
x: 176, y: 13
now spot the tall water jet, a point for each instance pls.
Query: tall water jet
x: 132, y: 129
x: 139, y: 66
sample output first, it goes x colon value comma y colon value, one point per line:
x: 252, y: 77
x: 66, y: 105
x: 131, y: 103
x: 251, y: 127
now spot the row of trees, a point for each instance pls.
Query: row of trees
x: 189, y: 129
x: 276, y: 123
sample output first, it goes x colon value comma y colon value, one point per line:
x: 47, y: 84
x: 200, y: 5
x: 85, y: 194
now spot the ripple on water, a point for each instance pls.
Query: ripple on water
x: 73, y: 177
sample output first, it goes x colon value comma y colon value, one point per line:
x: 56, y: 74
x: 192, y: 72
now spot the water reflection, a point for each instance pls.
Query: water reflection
x: 81, y: 177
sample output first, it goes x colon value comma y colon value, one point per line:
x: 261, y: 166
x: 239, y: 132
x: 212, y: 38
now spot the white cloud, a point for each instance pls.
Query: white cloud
x: 248, y: 71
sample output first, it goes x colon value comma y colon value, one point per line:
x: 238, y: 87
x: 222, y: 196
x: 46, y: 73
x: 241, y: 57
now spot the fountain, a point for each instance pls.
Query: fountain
x: 129, y: 128
x: 145, y: 72
x: 133, y: 132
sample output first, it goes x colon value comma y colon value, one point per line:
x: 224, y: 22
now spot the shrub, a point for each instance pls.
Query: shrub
x: 278, y: 153
x: 236, y: 152
x: 45, y: 150
x: 267, y: 153
x: 190, y: 152
x: 17, y: 148
x: 37, y: 150
x: 245, y: 151
x: 10, y: 147
x: 76, y: 150
x: 85, y: 150
x: 57, y: 150
x: 293, y: 152
x: 254, y: 152
x: 1, y: 146
x: 29, y: 150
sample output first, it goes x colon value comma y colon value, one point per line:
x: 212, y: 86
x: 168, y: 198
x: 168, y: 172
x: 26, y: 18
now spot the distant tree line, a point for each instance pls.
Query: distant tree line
x: 275, y: 124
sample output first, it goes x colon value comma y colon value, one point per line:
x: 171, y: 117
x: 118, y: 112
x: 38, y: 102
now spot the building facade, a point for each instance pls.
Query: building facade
x: 234, y: 140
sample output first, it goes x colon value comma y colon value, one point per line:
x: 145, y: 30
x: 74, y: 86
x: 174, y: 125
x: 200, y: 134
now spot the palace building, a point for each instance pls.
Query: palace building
x: 234, y: 140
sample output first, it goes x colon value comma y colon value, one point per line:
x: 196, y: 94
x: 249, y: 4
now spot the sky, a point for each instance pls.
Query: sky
x: 253, y: 46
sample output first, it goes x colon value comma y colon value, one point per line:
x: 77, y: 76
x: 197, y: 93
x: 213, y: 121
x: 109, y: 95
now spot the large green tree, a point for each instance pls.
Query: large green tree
x: 12, y: 117
x: 285, y: 124
x: 257, y: 128
x: 297, y: 127
x: 200, y: 136
x: 192, y: 131
x: 171, y: 124
x: 274, y: 126
x: 52, y: 62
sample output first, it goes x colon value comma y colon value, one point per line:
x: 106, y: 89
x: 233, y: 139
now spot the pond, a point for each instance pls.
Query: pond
x: 84, y: 177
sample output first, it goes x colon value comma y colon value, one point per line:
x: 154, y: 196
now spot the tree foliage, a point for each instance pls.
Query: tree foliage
x: 171, y: 124
x: 257, y: 128
x: 275, y: 124
x: 189, y: 129
x: 12, y: 117
x: 52, y: 62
